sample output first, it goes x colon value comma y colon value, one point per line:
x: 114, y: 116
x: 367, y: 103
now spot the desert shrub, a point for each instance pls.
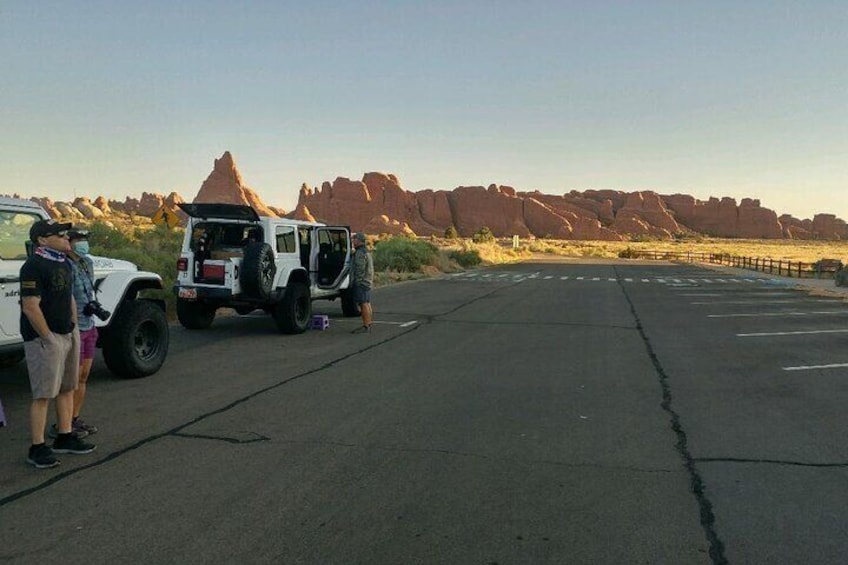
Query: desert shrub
x: 153, y: 249
x: 451, y: 233
x: 466, y: 257
x: 628, y: 253
x: 404, y: 254
x: 483, y: 235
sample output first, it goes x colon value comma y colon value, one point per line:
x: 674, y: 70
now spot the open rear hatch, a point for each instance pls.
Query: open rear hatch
x: 220, y: 211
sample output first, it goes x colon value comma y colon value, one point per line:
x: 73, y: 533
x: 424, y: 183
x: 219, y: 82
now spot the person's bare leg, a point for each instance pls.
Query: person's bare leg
x: 64, y: 411
x: 38, y: 419
x: 79, y: 394
x: 367, y: 314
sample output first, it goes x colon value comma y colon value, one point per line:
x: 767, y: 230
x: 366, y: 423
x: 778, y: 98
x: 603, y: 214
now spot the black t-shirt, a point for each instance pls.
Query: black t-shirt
x: 53, y: 281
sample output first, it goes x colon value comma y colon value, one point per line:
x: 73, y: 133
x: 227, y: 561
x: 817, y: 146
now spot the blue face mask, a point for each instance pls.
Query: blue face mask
x: 81, y: 247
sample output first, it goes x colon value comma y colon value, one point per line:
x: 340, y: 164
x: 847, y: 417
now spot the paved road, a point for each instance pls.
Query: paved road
x: 556, y: 412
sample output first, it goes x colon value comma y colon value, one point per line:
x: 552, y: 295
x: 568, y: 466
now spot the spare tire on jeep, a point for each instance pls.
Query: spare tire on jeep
x: 257, y: 270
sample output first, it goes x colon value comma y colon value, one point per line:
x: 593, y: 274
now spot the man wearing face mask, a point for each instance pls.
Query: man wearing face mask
x: 83, y: 268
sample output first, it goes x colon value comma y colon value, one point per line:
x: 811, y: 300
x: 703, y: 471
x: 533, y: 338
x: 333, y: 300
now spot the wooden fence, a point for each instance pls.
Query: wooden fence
x: 824, y: 268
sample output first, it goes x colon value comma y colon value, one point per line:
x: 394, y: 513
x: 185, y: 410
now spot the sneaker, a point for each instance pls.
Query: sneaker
x: 362, y: 330
x: 53, y: 432
x: 41, y: 457
x: 71, y: 443
x: 82, y: 429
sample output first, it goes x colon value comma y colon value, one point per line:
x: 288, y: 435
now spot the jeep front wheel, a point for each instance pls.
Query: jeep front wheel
x: 136, y: 342
x: 195, y: 315
x: 293, y: 313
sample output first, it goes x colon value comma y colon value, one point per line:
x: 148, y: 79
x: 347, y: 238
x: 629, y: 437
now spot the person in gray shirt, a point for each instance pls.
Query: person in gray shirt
x: 362, y: 279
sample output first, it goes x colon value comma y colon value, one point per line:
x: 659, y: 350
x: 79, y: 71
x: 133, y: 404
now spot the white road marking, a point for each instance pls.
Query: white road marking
x: 410, y: 323
x: 806, y: 332
x: 628, y: 280
x: 563, y: 278
x: 757, y: 302
x: 764, y: 314
x: 814, y: 367
x: 579, y: 278
x: 660, y: 280
x: 548, y: 277
x: 707, y: 280
x: 701, y: 294
x: 721, y: 280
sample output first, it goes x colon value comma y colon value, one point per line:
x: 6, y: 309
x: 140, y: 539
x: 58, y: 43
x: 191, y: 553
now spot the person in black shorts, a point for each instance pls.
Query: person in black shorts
x: 51, y: 340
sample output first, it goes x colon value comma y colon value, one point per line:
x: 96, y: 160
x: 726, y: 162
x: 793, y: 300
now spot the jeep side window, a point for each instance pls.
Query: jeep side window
x: 285, y: 239
x: 14, y: 233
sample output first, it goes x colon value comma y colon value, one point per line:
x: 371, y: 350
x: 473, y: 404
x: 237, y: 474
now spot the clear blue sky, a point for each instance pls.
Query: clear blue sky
x: 711, y: 98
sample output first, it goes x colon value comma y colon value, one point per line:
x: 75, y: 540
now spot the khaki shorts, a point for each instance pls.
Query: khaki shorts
x: 53, y: 364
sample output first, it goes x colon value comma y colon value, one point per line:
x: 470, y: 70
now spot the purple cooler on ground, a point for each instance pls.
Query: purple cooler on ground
x: 2, y: 416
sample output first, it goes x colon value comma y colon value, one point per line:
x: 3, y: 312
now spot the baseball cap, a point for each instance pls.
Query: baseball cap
x: 46, y: 228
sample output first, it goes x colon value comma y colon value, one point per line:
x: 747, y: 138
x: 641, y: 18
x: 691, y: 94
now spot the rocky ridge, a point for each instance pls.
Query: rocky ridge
x: 379, y: 204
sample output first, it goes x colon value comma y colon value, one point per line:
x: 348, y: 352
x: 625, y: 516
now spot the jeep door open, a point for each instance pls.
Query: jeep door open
x: 234, y: 258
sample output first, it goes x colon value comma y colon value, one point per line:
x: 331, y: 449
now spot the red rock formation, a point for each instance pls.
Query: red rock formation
x: 828, y: 226
x: 224, y: 185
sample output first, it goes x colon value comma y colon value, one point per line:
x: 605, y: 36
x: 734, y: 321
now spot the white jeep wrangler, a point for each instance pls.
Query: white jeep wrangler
x: 234, y: 258
x: 134, y: 339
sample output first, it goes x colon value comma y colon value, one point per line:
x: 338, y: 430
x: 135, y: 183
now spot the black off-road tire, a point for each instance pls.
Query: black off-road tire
x: 195, y: 315
x: 9, y: 360
x: 349, y: 306
x: 136, y: 342
x: 294, y: 312
x: 258, y: 269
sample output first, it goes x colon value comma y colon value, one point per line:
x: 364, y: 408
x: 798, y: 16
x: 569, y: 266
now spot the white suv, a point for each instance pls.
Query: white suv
x: 134, y: 337
x: 234, y: 258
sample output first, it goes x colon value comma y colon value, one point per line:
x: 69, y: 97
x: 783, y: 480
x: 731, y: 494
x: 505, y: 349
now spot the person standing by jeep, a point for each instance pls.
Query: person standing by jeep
x: 51, y: 340
x: 83, y: 268
x: 362, y: 280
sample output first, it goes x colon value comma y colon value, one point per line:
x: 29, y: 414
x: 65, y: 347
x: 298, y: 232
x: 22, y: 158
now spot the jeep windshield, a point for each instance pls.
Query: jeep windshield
x: 14, y: 233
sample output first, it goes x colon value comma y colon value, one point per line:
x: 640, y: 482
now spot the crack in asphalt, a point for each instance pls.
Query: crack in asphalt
x: 696, y: 482
x: 767, y: 462
x: 176, y: 431
x: 258, y: 438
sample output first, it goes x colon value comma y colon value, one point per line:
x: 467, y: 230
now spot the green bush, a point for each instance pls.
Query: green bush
x: 483, y: 235
x: 155, y: 250
x: 404, y: 254
x: 451, y: 233
x: 466, y: 258
x: 628, y: 253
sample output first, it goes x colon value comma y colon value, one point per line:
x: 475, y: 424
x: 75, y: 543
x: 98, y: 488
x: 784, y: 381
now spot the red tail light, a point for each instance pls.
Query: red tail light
x: 182, y: 264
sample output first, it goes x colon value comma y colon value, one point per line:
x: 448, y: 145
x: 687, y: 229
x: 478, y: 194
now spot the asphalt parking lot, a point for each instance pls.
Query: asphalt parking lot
x: 550, y: 412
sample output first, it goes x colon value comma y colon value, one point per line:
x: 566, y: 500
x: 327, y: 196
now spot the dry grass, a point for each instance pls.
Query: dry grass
x: 795, y: 250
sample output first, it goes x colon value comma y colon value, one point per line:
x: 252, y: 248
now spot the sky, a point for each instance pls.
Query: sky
x: 710, y: 98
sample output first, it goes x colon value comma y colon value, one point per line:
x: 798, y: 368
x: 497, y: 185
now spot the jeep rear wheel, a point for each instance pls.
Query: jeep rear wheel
x: 257, y: 270
x: 349, y: 306
x: 293, y: 313
x: 136, y: 342
x: 195, y: 315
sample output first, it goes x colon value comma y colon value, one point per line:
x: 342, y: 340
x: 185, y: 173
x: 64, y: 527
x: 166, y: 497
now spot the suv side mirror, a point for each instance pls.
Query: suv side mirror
x: 30, y: 248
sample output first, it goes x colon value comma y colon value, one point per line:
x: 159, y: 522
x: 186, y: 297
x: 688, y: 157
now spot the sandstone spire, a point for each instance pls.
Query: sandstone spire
x: 224, y: 185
